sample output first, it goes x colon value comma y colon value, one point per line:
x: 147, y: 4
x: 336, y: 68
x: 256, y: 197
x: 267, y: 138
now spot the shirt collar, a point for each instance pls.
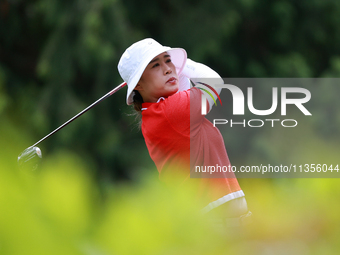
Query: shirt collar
x: 148, y: 104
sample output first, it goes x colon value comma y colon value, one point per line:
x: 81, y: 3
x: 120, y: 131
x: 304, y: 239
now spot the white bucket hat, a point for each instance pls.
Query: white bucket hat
x: 135, y: 59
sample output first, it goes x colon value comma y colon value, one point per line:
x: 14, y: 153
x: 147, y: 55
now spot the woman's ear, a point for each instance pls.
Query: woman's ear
x: 138, y: 87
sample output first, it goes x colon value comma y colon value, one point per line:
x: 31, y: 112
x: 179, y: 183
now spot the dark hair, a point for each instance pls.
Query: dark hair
x: 137, y: 101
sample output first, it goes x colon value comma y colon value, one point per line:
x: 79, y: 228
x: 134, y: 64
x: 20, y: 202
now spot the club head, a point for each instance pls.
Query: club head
x: 30, y: 158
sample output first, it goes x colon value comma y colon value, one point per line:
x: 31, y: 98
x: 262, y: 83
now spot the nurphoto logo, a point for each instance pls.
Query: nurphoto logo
x: 302, y: 96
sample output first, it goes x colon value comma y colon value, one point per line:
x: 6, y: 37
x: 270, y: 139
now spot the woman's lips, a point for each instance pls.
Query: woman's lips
x: 172, y: 80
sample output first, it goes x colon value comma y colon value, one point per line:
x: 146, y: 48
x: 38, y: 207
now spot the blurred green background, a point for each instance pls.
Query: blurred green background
x: 98, y: 191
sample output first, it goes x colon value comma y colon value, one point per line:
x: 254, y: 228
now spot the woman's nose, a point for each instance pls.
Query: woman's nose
x: 167, y: 69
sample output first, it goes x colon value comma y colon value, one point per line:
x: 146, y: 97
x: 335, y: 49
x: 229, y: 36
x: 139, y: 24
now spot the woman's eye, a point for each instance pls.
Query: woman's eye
x: 168, y: 60
x: 155, y: 65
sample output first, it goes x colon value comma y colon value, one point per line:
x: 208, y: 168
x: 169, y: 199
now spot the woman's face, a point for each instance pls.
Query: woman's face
x: 159, y: 79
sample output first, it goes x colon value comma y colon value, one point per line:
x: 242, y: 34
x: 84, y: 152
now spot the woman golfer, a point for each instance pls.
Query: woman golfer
x: 177, y: 135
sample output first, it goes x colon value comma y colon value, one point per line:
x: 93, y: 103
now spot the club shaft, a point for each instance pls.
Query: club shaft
x: 82, y: 112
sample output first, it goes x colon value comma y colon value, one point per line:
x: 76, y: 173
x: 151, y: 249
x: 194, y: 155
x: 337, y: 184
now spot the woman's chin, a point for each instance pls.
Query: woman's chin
x: 174, y: 90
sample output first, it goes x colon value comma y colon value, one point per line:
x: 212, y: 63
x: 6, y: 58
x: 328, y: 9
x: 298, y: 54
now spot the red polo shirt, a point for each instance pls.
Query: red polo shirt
x: 179, y: 138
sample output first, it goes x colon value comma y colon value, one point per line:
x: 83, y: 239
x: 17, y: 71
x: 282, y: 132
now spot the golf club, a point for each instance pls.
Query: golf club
x: 33, y: 153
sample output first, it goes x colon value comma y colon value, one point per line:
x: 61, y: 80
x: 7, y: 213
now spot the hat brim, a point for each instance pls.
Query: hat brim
x: 178, y: 58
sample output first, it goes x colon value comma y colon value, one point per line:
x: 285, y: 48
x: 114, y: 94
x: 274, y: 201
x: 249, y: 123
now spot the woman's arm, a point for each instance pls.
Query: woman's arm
x: 197, y: 72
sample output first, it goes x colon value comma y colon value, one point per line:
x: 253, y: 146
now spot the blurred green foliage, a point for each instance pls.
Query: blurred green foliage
x: 60, y: 209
